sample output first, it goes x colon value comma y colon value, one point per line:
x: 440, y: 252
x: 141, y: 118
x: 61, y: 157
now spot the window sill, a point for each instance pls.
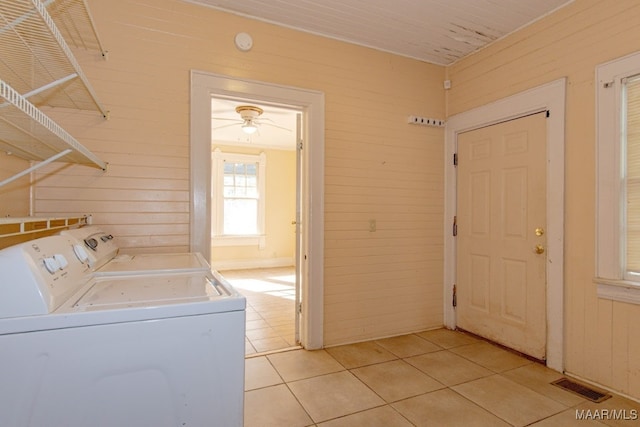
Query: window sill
x: 618, y: 290
x: 259, y: 241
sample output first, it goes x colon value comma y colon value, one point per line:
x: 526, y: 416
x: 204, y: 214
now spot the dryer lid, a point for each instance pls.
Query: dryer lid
x: 139, y: 291
x: 146, y: 263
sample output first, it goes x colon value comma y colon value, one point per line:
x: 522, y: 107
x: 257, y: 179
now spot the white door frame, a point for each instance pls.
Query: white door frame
x: 204, y: 86
x: 550, y: 97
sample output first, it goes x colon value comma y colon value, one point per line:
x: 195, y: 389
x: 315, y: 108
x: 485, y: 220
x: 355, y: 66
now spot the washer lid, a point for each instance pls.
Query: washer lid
x: 156, y: 263
x: 135, y: 298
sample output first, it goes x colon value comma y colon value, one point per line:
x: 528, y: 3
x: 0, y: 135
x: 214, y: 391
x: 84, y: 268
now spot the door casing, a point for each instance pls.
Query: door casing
x: 549, y: 97
x: 204, y: 86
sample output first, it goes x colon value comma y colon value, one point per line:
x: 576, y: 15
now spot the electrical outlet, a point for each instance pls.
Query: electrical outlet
x: 372, y: 225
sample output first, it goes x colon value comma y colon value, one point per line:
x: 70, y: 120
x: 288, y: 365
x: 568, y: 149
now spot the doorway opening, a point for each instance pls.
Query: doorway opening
x: 550, y: 98
x: 255, y: 193
x: 309, y: 218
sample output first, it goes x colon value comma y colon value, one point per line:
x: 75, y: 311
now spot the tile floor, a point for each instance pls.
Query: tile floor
x: 270, y: 294
x: 432, y: 378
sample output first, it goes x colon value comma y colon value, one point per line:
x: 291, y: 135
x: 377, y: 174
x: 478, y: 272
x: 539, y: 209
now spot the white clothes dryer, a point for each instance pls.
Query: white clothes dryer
x: 105, y: 257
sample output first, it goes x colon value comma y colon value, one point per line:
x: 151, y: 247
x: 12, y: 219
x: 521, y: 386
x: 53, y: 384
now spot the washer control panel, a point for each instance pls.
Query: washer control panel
x: 39, y: 275
x: 91, y: 242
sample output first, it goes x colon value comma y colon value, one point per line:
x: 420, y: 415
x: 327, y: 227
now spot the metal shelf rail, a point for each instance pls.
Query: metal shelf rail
x: 16, y: 230
x: 37, y: 68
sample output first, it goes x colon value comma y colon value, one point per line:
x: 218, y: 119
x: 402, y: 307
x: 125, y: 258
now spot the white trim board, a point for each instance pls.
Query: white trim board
x: 204, y: 86
x: 253, y: 263
x: 550, y: 97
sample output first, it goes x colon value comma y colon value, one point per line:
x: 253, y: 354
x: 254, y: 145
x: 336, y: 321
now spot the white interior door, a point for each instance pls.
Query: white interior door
x: 501, y: 246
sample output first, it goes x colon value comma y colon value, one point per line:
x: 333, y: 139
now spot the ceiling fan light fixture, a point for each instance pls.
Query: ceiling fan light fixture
x: 248, y: 113
x: 249, y: 128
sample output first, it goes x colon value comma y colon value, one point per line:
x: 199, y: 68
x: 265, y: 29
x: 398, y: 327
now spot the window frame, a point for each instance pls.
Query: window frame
x: 218, y: 238
x: 611, y: 278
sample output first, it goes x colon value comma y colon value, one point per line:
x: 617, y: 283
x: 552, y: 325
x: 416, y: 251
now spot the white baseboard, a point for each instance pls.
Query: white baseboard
x: 251, y: 263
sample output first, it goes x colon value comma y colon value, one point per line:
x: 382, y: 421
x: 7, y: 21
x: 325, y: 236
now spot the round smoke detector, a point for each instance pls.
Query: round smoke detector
x: 244, y: 42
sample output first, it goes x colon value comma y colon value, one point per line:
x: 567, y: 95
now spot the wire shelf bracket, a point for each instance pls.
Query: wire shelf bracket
x: 37, y: 67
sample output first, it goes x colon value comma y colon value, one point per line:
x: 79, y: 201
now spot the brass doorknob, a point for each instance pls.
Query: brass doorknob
x: 539, y: 249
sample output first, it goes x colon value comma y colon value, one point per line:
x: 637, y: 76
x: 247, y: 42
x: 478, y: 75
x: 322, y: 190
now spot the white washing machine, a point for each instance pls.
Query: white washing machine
x: 79, y: 349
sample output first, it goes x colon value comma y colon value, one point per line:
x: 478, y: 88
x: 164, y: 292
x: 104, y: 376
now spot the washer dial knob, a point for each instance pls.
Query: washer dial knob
x: 51, y: 264
x: 80, y: 253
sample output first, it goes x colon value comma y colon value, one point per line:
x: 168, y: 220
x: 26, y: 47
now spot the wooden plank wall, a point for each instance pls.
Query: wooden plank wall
x: 378, y: 167
x: 602, y: 340
x: 14, y: 197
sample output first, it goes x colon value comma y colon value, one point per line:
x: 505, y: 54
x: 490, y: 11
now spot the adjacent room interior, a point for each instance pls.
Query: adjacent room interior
x: 254, y: 197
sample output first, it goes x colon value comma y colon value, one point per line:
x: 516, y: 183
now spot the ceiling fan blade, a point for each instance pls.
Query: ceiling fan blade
x: 226, y: 126
x: 227, y: 119
x: 275, y: 126
x: 264, y: 120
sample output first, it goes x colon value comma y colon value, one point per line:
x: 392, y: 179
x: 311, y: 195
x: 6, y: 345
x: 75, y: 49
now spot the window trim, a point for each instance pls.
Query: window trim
x: 218, y: 157
x: 610, y: 271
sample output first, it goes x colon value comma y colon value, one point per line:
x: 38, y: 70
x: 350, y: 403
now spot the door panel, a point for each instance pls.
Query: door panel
x: 501, y: 280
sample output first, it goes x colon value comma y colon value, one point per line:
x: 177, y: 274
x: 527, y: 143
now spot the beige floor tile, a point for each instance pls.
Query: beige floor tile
x: 538, y: 378
x: 334, y: 395
x: 285, y: 330
x: 508, y: 400
x: 360, y: 354
x: 446, y: 408
x: 408, y: 345
x: 567, y: 418
x: 396, y: 380
x: 300, y: 364
x: 251, y: 314
x: 256, y: 324
x: 260, y: 373
x: 628, y: 411
x: 448, y: 368
x: 273, y: 407
x: 249, y: 349
x: 278, y: 321
x: 384, y: 416
x: 447, y: 338
x: 270, y: 297
x: 269, y: 344
x: 491, y: 356
x: 261, y: 333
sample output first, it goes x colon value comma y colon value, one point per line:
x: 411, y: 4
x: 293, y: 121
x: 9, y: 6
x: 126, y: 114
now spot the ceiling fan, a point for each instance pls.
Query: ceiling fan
x: 249, y: 119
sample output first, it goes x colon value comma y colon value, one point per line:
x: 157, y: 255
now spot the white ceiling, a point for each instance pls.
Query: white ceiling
x: 436, y: 31
x: 226, y: 125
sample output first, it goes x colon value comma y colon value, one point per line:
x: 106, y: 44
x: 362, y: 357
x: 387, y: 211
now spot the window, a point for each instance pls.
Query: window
x: 618, y: 186
x: 631, y: 138
x: 238, y: 198
x: 241, y: 197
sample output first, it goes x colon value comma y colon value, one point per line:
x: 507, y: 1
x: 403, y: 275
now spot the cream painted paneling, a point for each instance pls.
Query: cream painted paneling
x: 601, y: 343
x: 378, y: 167
x: 280, y: 210
x: 14, y: 197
